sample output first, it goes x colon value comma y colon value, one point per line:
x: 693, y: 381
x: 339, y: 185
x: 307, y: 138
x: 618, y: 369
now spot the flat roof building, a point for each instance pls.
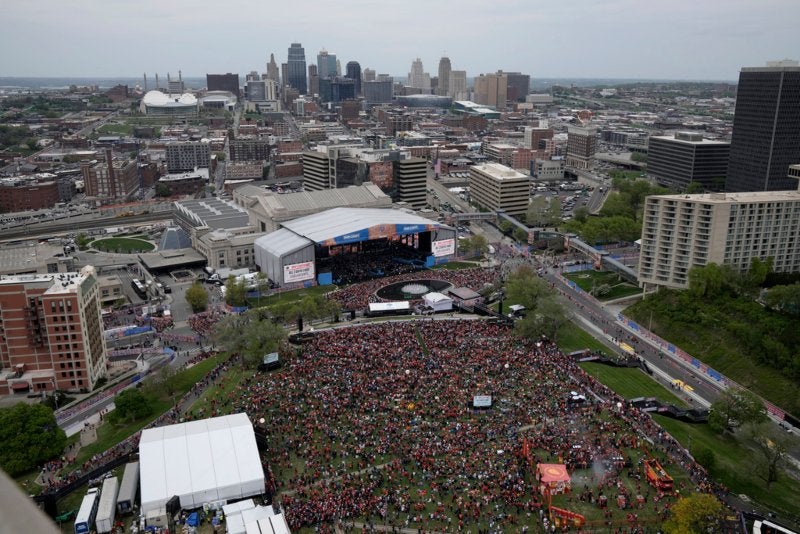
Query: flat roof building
x: 52, y: 332
x: 581, y: 146
x: 766, y: 137
x: 676, y: 161
x: 684, y: 231
x: 494, y: 187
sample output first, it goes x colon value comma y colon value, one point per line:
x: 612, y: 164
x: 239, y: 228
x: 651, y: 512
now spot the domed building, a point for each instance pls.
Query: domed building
x: 159, y: 103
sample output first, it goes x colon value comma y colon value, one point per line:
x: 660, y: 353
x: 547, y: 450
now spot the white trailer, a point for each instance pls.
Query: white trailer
x: 127, y: 490
x: 104, y: 522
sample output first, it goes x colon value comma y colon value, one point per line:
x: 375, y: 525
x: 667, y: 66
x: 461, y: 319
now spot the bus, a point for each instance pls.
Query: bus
x: 138, y: 288
x: 84, y: 521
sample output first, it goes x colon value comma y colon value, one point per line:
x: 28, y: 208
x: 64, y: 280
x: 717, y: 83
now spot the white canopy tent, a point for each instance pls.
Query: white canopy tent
x: 438, y: 301
x: 201, y: 462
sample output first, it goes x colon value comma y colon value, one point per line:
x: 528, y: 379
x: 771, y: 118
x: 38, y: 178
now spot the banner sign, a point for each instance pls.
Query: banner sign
x: 482, y: 401
x: 380, y: 231
x: 297, y: 272
x: 445, y: 247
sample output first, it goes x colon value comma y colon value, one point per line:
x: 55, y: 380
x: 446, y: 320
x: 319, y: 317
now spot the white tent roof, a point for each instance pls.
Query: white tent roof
x: 274, y: 524
x: 201, y: 461
x: 434, y: 297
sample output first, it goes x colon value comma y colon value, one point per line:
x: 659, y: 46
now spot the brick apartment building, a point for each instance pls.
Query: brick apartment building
x: 28, y: 193
x: 51, y: 332
x: 111, y: 179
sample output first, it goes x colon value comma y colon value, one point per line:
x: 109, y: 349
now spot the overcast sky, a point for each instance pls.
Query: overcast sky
x: 656, y: 39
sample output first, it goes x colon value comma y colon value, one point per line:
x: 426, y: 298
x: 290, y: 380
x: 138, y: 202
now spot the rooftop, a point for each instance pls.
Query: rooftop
x: 731, y: 198
x: 499, y: 172
x: 213, y: 212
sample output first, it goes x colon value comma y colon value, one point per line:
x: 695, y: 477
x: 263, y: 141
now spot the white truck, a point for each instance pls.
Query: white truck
x: 220, y: 276
x: 104, y: 521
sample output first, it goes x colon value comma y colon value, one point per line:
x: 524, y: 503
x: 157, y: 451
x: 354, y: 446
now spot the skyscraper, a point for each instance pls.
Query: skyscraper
x: 313, y: 80
x: 457, y: 88
x: 519, y: 85
x: 444, y: 76
x: 353, y: 71
x: 369, y: 75
x: 491, y: 90
x: 766, y: 136
x: 326, y: 64
x: 418, y: 78
x: 272, y: 70
x: 296, y: 68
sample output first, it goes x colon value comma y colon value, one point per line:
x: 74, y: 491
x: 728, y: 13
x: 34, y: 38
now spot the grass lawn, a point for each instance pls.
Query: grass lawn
x: 630, y: 382
x: 219, y: 396
x: 571, y: 338
x: 587, y: 280
x: 735, y: 466
x: 112, y: 128
x: 124, y: 245
x: 109, y: 435
x: 288, y: 297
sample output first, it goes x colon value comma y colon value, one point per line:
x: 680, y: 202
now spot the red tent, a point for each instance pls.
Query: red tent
x: 552, y: 478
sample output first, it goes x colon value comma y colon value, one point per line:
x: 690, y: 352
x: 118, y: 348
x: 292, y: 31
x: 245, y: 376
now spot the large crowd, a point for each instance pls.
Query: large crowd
x: 376, y: 422
x: 358, y: 296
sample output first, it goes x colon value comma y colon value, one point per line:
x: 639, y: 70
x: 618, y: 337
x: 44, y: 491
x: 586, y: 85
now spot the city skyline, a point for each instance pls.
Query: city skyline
x: 587, y: 39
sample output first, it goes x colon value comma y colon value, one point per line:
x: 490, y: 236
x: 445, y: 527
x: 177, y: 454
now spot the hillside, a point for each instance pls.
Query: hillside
x: 756, y: 347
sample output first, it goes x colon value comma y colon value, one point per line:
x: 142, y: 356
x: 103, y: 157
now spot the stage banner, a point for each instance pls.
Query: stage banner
x: 482, y: 401
x: 445, y: 247
x: 297, y: 272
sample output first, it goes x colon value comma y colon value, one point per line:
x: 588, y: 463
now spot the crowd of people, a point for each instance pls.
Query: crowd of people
x: 377, y: 422
x: 358, y: 296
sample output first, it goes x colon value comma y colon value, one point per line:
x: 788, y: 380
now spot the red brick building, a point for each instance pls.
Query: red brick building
x: 51, y: 332
x: 29, y: 193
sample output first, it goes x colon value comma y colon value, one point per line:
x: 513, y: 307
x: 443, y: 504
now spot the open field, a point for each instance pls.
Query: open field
x: 590, y: 280
x: 630, y: 382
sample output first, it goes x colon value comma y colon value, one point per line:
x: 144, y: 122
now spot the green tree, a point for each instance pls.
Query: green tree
x: 520, y: 235
x: 197, y: 297
x: 553, y: 212
x: 163, y: 190
x: 773, y: 447
x: 131, y: 405
x: 545, y: 315
x: 536, y: 214
x: 785, y: 298
x: 32, y: 143
x: 698, y: 513
x: 83, y: 241
x: 580, y: 214
x: 29, y: 436
x: 736, y: 407
x: 706, y: 458
x: 235, y: 292
x: 262, y: 285
x: 694, y: 187
x: 250, y: 335
x: 220, y: 156
x: 639, y: 157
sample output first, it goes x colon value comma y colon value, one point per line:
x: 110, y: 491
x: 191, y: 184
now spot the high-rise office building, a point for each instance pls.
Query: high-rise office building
x: 457, y: 87
x: 676, y: 161
x: 52, y: 332
x: 296, y: 68
x: 491, y: 90
x: 182, y: 156
x: 418, y: 78
x: 272, y: 70
x: 369, y: 75
x: 443, y: 87
x: 519, y: 85
x: 353, y: 71
x: 766, y: 136
x: 326, y: 64
x: 581, y: 146
x: 223, y: 82
x: 313, y: 80
x: 496, y: 187
x: 410, y: 180
x: 378, y: 92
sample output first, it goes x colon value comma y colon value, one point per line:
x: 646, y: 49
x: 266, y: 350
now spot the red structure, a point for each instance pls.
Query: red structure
x: 657, y: 476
